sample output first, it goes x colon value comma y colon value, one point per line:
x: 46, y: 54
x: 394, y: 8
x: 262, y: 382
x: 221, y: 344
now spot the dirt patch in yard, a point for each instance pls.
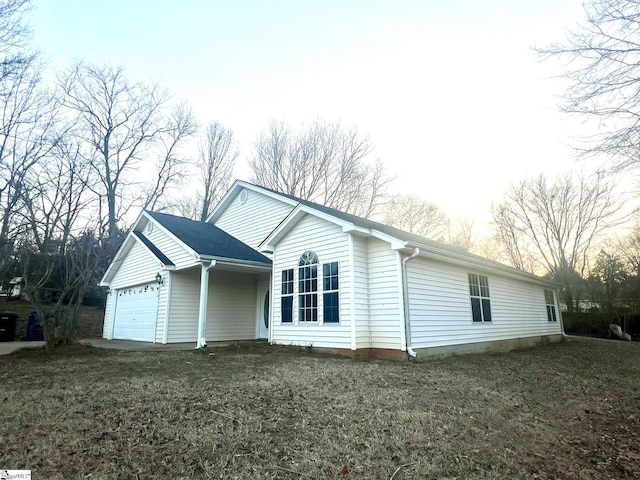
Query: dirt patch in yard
x: 569, y: 410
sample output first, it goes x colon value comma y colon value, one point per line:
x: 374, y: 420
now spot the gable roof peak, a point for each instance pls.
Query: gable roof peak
x: 206, y: 239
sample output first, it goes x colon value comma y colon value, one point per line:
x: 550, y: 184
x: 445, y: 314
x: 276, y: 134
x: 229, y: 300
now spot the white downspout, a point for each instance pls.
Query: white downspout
x: 204, y: 298
x: 352, y: 288
x: 272, y: 302
x: 405, y: 297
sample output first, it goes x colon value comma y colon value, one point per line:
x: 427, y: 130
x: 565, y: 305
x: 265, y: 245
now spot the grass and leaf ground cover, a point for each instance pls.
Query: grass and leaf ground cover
x: 563, y: 411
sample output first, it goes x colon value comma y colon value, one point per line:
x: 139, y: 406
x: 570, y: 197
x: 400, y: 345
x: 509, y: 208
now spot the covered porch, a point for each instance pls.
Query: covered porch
x: 217, y: 301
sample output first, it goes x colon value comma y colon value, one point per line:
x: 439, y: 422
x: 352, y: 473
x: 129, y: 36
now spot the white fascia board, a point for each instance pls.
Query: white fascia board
x: 446, y: 256
x: 268, y: 193
x: 346, y: 226
x: 224, y: 202
x: 351, y: 228
x: 126, y: 244
x: 157, y: 224
x: 295, y: 215
x: 117, y: 259
x: 237, y: 263
x: 396, y: 243
x: 235, y: 189
x: 129, y: 240
x: 153, y: 255
x: 139, y: 219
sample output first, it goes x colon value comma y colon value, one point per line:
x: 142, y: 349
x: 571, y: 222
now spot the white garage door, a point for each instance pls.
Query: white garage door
x: 136, y: 313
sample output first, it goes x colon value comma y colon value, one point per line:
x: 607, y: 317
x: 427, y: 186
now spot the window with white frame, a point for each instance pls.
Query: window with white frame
x: 480, y: 301
x: 308, y: 287
x: 330, y: 301
x: 286, y: 296
x: 549, y: 299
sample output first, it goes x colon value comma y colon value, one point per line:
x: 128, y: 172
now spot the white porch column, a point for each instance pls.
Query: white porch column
x: 204, y: 300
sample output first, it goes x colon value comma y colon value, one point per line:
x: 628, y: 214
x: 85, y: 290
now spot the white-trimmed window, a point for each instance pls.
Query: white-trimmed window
x: 330, y: 300
x: 308, y: 287
x: 480, y: 301
x: 549, y: 299
x: 286, y: 296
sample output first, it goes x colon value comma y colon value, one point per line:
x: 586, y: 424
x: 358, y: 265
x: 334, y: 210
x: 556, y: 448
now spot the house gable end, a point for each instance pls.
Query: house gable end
x: 155, y: 251
x: 137, y: 267
x: 250, y: 213
x: 167, y: 250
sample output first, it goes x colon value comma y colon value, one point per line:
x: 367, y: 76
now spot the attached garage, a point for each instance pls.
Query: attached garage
x: 136, y: 313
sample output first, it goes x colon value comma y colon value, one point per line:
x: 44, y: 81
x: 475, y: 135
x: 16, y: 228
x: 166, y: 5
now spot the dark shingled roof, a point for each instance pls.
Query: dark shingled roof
x: 161, y: 256
x: 381, y: 227
x: 402, y: 235
x: 207, y: 239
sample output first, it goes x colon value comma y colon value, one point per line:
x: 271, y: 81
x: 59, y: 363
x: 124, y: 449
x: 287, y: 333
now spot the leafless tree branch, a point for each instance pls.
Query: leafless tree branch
x: 323, y: 163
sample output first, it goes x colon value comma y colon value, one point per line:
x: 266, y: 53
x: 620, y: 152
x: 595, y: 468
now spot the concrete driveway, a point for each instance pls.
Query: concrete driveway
x: 127, y: 345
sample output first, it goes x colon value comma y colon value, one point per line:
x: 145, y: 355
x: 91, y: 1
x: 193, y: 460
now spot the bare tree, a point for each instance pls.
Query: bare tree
x: 170, y: 164
x: 217, y: 156
x: 610, y: 273
x: 415, y: 215
x: 460, y: 233
x: 27, y: 134
x: 122, y: 124
x: 24, y: 125
x: 218, y: 153
x: 185, y: 206
x: 559, y: 220
x: 324, y: 163
x: 14, y: 35
x: 511, y: 235
x: 602, y: 64
x: 56, y: 284
x: 57, y: 198
x: 628, y: 248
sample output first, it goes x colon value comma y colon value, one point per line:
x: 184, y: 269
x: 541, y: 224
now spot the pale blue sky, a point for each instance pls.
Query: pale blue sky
x: 449, y: 92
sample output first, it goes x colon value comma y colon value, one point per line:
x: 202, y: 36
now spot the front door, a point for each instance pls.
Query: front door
x: 264, y: 309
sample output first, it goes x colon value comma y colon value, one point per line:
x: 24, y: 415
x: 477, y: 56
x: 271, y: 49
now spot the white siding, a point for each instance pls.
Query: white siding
x: 231, y: 313
x: 440, y: 307
x: 138, y: 267
x: 331, y: 245
x: 184, y: 306
x: 231, y: 309
x: 162, y: 307
x: 108, y: 311
x: 385, y: 298
x: 361, y: 269
x: 254, y: 220
x: 177, y: 253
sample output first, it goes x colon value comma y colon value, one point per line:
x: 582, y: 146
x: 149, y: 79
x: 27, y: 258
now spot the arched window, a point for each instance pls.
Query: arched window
x: 308, y: 287
x: 308, y: 258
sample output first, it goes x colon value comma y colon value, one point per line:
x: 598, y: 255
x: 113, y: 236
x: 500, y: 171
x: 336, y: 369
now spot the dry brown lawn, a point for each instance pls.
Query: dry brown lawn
x: 563, y: 411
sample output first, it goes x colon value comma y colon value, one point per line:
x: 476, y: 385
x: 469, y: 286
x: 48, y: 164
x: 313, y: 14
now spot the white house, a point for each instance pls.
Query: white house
x: 272, y: 266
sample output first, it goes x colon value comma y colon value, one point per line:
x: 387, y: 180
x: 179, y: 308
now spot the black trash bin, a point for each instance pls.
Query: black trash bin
x: 34, y: 328
x: 8, y: 321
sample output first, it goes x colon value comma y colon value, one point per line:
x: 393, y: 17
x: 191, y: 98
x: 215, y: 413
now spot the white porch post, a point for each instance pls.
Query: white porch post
x: 204, y: 297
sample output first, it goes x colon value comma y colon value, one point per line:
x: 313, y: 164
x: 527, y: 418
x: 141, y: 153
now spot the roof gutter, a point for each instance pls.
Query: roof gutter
x: 249, y: 263
x: 505, y: 270
x: 405, y: 298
